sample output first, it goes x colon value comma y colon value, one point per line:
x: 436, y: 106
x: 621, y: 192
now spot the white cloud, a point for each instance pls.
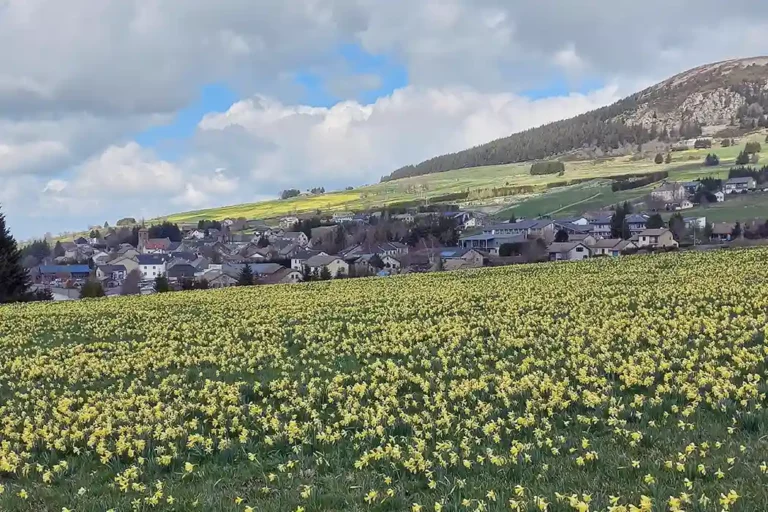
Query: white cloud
x: 351, y: 143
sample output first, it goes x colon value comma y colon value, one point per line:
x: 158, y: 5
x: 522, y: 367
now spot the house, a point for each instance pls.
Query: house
x: 685, y: 204
x: 720, y: 196
x: 391, y: 263
x: 695, y: 222
x: 157, y: 245
x: 297, y: 237
x: 334, y: 264
x: 151, y: 265
x: 219, y: 279
x: 570, y: 227
x: 568, y: 251
x: 197, y: 234
x: 48, y: 273
x: 691, y: 187
x: 722, y: 231
x: 601, y: 226
x: 299, y: 259
x: 669, y: 192
x: 390, y: 248
x: 654, y: 238
x: 130, y: 263
x: 181, y: 271
x: 113, y: 272
x: 472, y: 257
x: 101, y: 258
x: 636, y: 223
x: 81, y: 241
x: 282, y: 276
x: 407, y: 218
x: 739, y: 185
x: 611, y: 247
x: 342, y: 217
x: 538, y: 228
x: 288, y: 222
x: 587, y: 239
x: 490, y: 242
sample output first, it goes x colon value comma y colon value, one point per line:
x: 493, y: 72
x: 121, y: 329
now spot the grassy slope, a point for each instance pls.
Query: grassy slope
x: 685, y: 166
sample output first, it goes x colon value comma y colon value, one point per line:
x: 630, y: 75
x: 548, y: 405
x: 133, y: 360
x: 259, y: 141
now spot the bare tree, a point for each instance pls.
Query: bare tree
x: 131, y: 283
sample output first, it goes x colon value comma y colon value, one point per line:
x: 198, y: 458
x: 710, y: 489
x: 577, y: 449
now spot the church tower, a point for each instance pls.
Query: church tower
x: 143, y: 239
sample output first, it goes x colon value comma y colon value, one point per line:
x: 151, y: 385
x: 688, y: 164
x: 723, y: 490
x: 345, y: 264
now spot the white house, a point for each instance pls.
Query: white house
x: 720, y: 196
x: 611, y: 247
x: 654, y: 238
x: 408, y: 218
x: 342, y: 217
x: 568, y: 251
x: 288, y: 222
x: 152, y: 265
x: 686, y: 205
x: 297, y: 237
x: 335, y: 265
x: 738, y: 185
x: 391, y: 263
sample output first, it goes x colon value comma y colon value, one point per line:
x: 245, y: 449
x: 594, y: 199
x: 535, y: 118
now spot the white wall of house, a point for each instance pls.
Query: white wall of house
x: 152, y: 271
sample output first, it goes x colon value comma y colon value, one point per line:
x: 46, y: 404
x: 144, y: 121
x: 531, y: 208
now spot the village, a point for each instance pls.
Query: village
x: 295, y: 249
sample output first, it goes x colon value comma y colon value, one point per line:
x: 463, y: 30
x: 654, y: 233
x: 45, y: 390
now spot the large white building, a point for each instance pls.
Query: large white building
x: 152, y: 265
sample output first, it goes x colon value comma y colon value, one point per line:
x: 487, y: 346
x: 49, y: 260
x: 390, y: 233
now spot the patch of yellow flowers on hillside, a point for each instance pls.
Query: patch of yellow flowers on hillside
x: 480, y: 390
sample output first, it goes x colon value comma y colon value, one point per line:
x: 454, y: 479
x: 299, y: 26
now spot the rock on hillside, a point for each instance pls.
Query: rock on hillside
x: 710, y: 95
x: 731, y: 93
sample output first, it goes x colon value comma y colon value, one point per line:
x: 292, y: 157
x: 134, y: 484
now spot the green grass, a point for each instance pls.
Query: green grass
x: 734, y: 208
x: 685, y: 166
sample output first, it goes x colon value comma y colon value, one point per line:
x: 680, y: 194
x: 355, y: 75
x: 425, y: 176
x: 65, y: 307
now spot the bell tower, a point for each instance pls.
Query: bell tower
x: 143, y: 239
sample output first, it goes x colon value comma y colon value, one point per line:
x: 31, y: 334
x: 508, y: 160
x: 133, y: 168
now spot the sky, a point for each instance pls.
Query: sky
x: 139, y: 108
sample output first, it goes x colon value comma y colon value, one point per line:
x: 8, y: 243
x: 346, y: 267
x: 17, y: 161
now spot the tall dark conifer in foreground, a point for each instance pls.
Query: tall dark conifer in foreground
x: 13, y: 276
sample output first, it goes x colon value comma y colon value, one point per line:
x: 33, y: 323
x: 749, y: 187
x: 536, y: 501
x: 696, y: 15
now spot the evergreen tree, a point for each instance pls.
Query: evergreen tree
x: 325, y: 274
x: 561, y: 236
x: 619, y: 225
x: 58, y: 250
x: 13, y: 277
x: 161, y: 284
x: 655, y: 222
x: 726, y: 143
x: 246, y: 276
x: 91, y: 289
x: 668, y: 159
x: 736, y: 232
x: 376, y: 262
x: 659, y: 158
x: 263, y: 242
x: 743, y: 158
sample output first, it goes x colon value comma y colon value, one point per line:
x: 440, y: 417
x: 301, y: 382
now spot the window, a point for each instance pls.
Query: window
x: 579, y: 249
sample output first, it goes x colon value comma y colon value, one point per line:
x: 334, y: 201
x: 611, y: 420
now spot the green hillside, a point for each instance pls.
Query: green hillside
x: 571, y: 193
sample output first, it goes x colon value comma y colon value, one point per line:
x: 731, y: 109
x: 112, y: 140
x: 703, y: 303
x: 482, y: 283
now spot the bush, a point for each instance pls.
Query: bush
x: 712, y: 160
x: 540, y: 168
x: 702, y: 144
x: 659, y: 158
x: 752, y: 147
x: 631, y: 181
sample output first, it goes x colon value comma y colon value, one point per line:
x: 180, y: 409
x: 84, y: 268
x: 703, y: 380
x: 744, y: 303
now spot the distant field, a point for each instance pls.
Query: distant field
x: 735, y: 208
x: 687, y: 165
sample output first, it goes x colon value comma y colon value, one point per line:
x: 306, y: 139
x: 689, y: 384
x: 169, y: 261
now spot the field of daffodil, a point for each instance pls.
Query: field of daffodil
x: 633, y: 384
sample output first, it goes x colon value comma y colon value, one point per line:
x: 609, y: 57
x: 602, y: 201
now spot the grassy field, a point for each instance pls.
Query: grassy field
x: 632, y: 384
x: 685, y: 166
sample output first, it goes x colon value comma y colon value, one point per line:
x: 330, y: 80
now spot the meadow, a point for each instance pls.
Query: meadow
x: 546, y: 196
x: 633, y: 384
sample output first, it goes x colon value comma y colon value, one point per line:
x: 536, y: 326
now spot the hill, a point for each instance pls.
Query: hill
x: 730, y: 95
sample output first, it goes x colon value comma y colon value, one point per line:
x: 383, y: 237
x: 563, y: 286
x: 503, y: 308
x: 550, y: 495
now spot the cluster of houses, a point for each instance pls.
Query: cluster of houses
x: 588, y: 236
x: 278, y: 254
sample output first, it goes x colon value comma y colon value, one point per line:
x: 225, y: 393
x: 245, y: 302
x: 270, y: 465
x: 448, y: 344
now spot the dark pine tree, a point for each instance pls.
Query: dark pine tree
x: 561, y: 236
x: 161, y: 284
x: 246, y: 276
x: 655, y: 222
x: 13, y: 276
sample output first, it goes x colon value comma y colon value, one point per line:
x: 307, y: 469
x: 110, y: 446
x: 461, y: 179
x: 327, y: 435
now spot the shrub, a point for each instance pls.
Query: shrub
x: 540, y: 168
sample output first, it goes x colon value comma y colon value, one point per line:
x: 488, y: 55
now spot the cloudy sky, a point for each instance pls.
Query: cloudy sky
x: 145, y: 107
